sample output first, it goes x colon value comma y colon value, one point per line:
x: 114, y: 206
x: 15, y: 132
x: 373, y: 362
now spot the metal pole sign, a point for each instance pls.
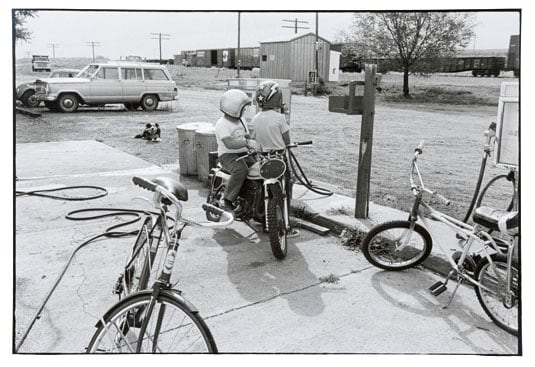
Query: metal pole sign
x: 361, y: 105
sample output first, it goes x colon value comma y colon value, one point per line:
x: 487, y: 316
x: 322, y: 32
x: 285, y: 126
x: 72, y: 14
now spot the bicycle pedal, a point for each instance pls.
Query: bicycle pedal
x: 438, y: 288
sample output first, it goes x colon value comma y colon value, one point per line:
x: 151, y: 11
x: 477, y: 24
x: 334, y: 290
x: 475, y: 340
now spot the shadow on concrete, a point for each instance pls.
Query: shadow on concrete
x: 258, y: 276
x: 408, y: 290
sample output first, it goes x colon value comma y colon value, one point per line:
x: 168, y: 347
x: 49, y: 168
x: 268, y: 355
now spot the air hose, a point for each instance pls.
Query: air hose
x: 478, y: 193
x: 41, y: 193
x: 109, y: 232
x: 303, y: 179
x: 486, y: 154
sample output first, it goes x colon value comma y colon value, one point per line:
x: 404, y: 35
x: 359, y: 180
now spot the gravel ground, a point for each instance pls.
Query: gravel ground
x: 450, y: 164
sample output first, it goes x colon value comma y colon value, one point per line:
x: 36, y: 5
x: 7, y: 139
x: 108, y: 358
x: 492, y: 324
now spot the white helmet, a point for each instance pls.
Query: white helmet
x: 233, y: 102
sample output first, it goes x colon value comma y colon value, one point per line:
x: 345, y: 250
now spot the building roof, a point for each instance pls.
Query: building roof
x: 287, y: 39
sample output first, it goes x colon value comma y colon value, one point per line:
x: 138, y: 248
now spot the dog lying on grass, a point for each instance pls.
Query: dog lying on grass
x: 151, y: 132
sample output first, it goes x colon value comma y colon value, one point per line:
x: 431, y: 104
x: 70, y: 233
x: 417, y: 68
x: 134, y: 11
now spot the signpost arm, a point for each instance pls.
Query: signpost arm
x: 366, y: 142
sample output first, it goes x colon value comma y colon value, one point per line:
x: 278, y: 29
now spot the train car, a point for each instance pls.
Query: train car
x: 249, y: 57
x: 226, y: 58
x: 513, y: 55
x: 480, y: 66
x: 205, y: 58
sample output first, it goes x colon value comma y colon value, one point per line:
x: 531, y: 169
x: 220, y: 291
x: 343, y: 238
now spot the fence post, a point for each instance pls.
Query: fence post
x: 366, y: 142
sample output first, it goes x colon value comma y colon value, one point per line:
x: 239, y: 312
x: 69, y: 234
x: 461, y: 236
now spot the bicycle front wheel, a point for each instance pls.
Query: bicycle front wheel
x: 172, y: 327
x: 498, y: 305
x: 395, y: 246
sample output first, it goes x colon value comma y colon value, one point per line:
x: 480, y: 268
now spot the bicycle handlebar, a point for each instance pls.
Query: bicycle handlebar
x: 226, y: 217
x: 419, y: 149
x: 414, y: 169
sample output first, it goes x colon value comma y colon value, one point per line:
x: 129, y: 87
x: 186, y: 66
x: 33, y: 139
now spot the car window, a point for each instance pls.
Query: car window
x: 88, y: 71
x: 131, y: 74
x: 155, y: 74
x: 108, y: 73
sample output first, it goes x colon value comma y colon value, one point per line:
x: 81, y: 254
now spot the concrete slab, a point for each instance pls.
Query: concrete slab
x: 251, y: 301
x: 336, y: 212
x: 35, y: 160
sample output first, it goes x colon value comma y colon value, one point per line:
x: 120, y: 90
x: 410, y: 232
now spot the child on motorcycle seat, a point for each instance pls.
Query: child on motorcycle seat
x: 233, y: 141
x: 270, y: 128
x: 271, y: 131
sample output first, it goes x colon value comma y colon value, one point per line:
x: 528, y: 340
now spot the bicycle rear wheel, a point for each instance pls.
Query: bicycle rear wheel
x: 503, y: 313
x: 394, y: 246
x: 172, y: 327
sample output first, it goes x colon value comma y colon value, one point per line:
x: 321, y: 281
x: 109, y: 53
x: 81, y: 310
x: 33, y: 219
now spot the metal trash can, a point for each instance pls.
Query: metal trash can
x: 187, y: 158
x: 205, y: 142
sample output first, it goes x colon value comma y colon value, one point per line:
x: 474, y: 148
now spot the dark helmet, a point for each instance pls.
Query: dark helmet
x: 233, y: 102
x: 268, y: 95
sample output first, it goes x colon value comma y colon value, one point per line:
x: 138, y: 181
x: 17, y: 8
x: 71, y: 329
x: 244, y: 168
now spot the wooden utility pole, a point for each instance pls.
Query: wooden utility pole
x: 239, y: 56
x: 316, y: 62
x: 366, y: 142
x: 53, y: 46
x: 93, y: 44
x: 160, y: 36
x: 295, y: 26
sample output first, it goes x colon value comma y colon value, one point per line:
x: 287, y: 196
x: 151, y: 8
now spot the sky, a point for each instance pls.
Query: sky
x: 121, y: 33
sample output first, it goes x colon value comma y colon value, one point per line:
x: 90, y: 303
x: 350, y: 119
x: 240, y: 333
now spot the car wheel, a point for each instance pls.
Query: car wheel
x: 131, y: 106
x: 68, y: 102
x: 29, y: 99
x: 149, y: 102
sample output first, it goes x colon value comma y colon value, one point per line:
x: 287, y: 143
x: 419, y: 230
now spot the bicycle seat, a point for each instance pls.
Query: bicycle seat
x: 494, y: 219
x: 173, y: 186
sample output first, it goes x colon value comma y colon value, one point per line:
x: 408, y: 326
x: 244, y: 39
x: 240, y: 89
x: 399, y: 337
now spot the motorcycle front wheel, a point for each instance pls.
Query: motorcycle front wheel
x: 275, y: 223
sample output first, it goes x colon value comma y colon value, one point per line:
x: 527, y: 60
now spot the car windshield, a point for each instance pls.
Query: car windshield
x: 88, y: 71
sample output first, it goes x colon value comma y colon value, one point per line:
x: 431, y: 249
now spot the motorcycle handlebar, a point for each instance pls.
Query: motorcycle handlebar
x: 293, y: 145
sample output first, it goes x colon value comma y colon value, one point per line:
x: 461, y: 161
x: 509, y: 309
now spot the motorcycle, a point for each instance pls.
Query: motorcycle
x: 264, y: 196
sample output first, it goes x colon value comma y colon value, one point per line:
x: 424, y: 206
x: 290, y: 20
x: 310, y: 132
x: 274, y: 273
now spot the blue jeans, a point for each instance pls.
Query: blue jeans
x: 238, y: 172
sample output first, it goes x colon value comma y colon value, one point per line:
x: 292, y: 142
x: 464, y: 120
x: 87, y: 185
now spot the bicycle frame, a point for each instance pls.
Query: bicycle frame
x: 470, y: 234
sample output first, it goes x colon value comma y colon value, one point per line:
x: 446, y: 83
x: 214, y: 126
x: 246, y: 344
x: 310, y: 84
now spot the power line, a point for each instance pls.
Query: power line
x: 53, y: 46
x: 93, y: 44
x: 295, y: 26
x: 160, y: 37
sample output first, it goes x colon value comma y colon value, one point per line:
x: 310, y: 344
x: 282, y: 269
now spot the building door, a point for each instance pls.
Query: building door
x: 334, y: 66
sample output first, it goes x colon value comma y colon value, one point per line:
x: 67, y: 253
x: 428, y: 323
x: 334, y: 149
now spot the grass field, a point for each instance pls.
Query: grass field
x: 453, y: 133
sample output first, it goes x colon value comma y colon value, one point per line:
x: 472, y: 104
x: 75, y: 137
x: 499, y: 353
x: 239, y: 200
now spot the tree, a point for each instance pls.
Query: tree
x: 411, y: 41
x: 19, y: 19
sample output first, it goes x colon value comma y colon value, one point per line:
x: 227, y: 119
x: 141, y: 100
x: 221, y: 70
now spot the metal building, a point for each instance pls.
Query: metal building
x: 294, y: 58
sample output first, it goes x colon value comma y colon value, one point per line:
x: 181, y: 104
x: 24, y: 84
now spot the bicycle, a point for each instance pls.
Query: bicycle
x: 158, y: 319
x: 491, y: 265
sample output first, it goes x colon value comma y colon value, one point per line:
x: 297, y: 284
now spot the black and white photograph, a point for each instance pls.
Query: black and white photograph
x: 292, y: 181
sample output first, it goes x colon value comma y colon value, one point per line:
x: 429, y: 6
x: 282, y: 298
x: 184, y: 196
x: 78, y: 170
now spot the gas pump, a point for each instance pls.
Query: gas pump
x: 502, y: 138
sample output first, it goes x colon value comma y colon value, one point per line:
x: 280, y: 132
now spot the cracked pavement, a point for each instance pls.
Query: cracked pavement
x: 251, y: 302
